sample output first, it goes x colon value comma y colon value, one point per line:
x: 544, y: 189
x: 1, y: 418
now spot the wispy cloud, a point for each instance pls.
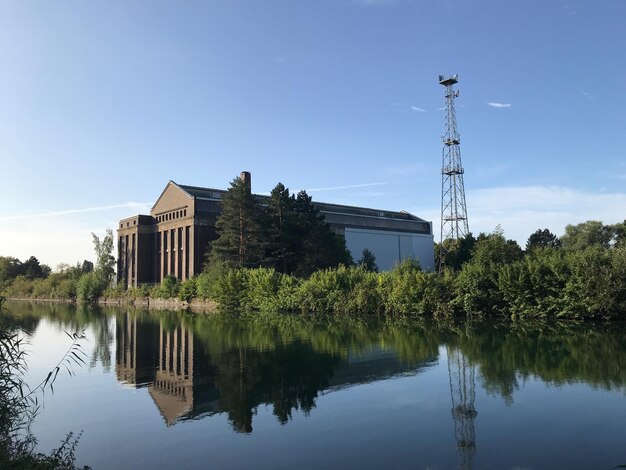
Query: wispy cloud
x: 416, y: 108
x: 350, y: 186
x: 127, y: 205
x: 375, y: 3
x: 586, y: 95
x: 520, y: 210
x: 494, y: 104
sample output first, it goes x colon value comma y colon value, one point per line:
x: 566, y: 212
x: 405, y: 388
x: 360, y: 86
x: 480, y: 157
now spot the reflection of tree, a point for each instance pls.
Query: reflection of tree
x: 289, y: 377
x: 103, y: 334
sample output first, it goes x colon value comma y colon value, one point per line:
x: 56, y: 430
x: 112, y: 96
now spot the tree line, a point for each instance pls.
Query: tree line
x: 287, y: 234
x: 83, y: 281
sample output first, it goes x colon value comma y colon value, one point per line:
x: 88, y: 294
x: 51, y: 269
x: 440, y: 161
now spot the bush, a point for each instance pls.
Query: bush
x: 407, y: 290
x: 187, y: 290
x: 342, y: 290
x: 168, y: 289
x: 90, y: 286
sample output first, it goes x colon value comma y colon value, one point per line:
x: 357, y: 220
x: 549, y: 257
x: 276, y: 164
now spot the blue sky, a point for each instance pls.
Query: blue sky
x: 102, y: 103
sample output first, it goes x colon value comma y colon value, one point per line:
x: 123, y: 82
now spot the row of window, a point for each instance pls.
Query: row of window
x: 128, y: 223
x: 172, y: 215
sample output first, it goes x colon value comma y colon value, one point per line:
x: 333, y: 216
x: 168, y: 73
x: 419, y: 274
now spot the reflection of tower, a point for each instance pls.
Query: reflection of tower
x: 453, y: 210
x: 172, y: 389
x: 134, y: 352
x: 462, y: 393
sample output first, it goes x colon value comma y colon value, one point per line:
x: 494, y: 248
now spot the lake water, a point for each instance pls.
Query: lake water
x: 175, y: 390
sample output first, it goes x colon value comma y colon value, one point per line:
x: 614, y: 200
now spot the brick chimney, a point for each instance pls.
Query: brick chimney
x: 247, y: 180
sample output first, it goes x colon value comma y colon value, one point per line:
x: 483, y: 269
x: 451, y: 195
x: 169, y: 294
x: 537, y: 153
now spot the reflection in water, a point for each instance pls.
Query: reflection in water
x: 188, y: 377
x: 197, y: 366
x: 462, y: 374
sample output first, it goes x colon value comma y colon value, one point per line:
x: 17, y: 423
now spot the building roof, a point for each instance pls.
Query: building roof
x: 335, y: 214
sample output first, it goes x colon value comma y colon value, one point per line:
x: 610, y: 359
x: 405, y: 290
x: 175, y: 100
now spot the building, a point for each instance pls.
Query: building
x: 174, y: 238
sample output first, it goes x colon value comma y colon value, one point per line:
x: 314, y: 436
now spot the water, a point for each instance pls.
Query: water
x: 163, y: 390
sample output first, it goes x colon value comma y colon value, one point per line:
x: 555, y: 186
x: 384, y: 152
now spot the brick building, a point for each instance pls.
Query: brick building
x: 174, y: 238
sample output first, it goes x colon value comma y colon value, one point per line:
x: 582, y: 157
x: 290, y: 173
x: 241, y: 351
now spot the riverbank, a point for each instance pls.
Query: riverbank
x: 195, y: 305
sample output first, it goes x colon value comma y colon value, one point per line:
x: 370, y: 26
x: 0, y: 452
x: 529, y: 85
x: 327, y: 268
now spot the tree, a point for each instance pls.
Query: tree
x: 543, y: 238
x: 10, y: 268
x: 319, y: 246
x: 494, y: 248
x: 86, y: 266
x: 590, y: 233
x: 32, y: 269
x: 281, y: 231
x: 239, y: 244
x: 619, y: 231
x: 368, y: 261
x: 456, y: 252
x: 105, y: 262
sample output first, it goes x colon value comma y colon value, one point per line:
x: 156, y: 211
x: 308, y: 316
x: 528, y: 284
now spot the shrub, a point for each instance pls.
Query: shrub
x: 187, y: 289
x: 90, y: 286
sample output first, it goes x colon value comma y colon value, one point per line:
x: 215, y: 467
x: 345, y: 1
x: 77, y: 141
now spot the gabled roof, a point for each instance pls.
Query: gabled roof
x: 173, y: 184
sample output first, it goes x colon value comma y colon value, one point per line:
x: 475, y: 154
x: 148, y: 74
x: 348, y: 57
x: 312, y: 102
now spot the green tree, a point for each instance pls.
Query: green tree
x: 456, y: 252
x: 543, y: 238
x: 319, y: 246
x: 10, y: 268
x: 619, y: 231
x: 239, y: 243
x: 368, y: 261
x: 586, y: 234
x: 281, y: 231
x: 32, y: 269
x: 105, y: 262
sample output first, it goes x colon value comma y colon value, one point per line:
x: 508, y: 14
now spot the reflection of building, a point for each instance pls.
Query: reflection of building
x: 173, y: 239
x: 186, y: 382
x: 134, y: 353
x: 164, y: 361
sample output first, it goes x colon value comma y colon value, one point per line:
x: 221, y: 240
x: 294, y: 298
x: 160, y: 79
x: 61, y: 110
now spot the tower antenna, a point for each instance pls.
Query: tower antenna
x: 453, y: 210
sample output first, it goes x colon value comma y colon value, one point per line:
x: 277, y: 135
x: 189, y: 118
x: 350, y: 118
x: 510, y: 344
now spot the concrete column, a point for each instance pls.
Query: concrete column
x: 162, y: 257
x: 183, y: 253
x: 192, y: 251
x: 175, y: 254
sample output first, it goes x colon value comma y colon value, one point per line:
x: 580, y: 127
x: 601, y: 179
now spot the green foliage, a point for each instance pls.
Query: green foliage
x: 90, y: 286
x: 19, y: 406
x: 11, y: 268
x: 239, y: 242
x: 368, y: 261
x: 105, y: 263
x: 586, y: 234
x: 343, y: 291
x: 187, y: 289
x: 319, y: 246
x: 408, y: 290
x: 168, y: 289
x: 456, y: 252
x: 281, y: 230
x: 544, y: 239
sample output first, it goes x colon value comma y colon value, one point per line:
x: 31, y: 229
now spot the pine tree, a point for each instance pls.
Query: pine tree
x: 239, y: 244
x: 319, y: 246
x: 281, y: 231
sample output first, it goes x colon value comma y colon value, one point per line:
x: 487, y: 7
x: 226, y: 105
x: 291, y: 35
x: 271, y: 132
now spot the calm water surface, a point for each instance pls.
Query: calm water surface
x: 164, y: 390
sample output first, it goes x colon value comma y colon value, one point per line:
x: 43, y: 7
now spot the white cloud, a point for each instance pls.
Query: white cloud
x: 141, y: 206
x: 499, y: 105
x: 415, y: 108
x: 520, y: 210
x: 586, y: 95
x: 62, y: 236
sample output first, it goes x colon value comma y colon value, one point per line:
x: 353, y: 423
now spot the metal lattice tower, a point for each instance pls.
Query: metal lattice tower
x: 453, y: 210
x: 462, y: 374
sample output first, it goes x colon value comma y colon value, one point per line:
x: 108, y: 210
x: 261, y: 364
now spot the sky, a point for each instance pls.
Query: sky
x: 102, y: 103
